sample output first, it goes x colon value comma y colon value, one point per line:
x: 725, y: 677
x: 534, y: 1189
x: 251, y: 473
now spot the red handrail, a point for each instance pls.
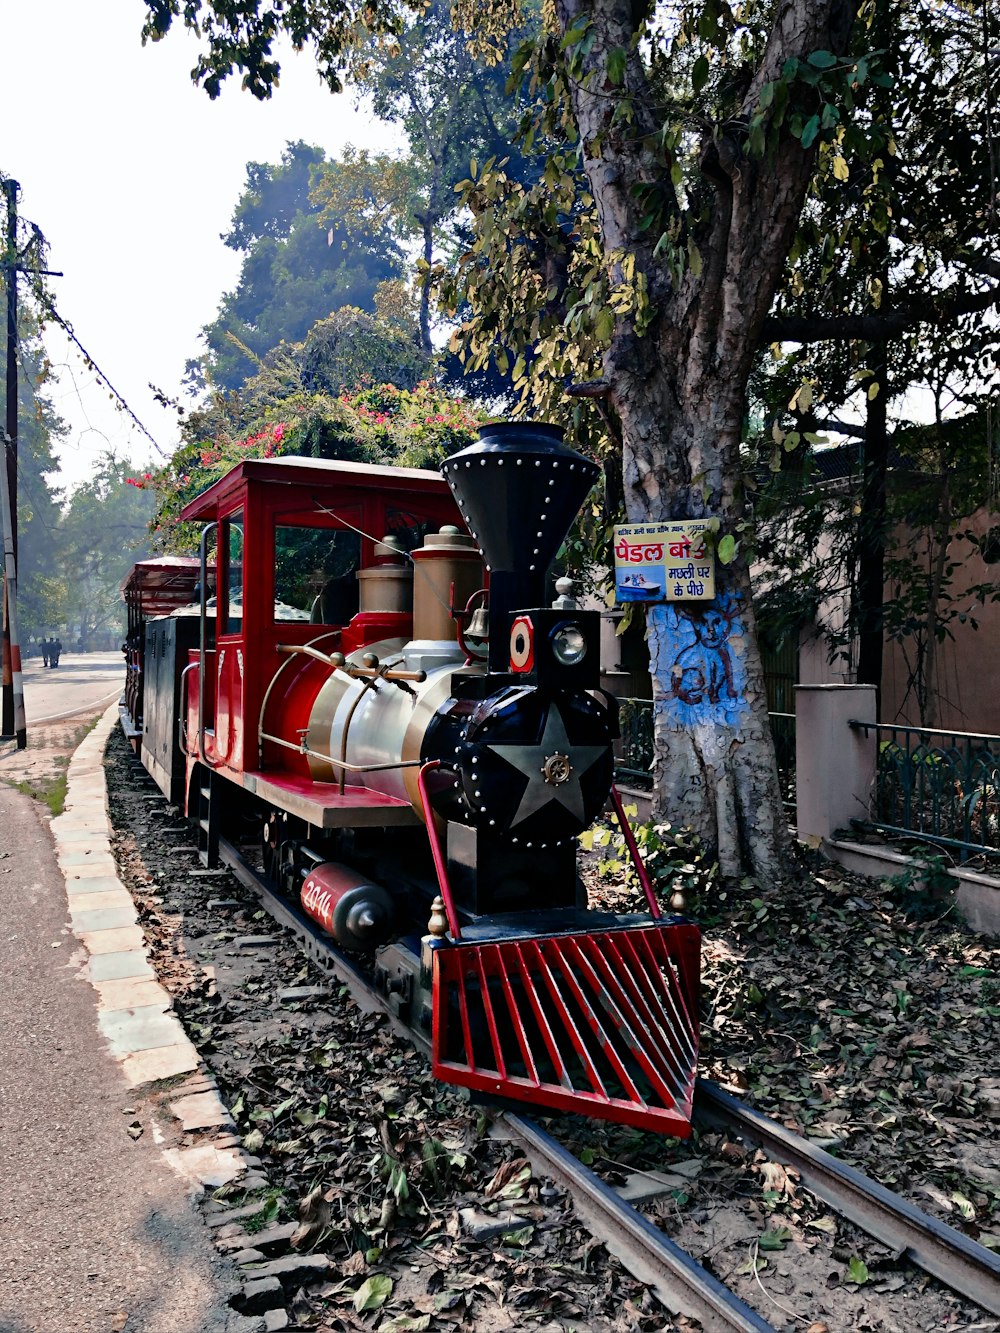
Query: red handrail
x: 630, y: 843
x: 440, y: 866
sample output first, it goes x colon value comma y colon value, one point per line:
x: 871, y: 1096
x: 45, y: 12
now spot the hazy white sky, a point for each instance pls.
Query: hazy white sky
x: 132, y: 173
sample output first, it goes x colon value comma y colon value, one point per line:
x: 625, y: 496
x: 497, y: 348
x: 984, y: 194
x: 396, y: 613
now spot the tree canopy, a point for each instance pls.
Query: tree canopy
x: 684, y: 153
x: 298, y: 266
x: 275, y: 416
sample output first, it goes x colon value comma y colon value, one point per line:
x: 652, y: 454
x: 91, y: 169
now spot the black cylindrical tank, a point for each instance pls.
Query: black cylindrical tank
x: 519, y: 488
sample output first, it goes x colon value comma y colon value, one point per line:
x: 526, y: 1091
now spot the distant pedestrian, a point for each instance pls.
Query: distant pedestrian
x: 55, y: 651
x: 44, y: 645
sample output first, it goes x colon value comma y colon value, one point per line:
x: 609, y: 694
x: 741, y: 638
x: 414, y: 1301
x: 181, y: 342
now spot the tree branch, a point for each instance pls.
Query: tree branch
x: 879, y: 325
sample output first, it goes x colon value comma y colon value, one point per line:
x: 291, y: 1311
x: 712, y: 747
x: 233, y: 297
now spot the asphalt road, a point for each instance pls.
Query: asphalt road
x: 96, y: 1233
x: 81, y: 682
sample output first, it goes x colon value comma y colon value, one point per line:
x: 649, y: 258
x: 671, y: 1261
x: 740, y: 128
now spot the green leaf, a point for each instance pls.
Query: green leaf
x: 398, y: 1184
x: 766, y: 96
x: 775, y: 1239
x: 406, y: 1323
x: 727, y: 548
x: 616, y: 65
x: 699, y: 74
x: 857, y: 1271
x: 604, y: 325
x: 965, y: 1207
x: 809, y: 131
x: 373, y: 1293
x: 518, y: 1238
x: 822, y: 60
x: 755, y: 1264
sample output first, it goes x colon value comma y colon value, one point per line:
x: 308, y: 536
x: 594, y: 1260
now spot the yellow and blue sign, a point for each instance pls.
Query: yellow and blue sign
x: 664, y: 562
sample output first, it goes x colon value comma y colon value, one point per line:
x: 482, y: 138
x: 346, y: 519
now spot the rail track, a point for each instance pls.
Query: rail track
x: 681, y: 1284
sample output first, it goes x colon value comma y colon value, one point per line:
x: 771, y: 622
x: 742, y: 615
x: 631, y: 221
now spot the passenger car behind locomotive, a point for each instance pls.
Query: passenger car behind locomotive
x: 402, y: 763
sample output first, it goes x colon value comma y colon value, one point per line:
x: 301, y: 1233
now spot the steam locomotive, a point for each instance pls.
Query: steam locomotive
x: 363, y: 663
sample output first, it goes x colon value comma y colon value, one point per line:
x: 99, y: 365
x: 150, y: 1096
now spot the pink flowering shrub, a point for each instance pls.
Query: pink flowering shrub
x: 369, y: 423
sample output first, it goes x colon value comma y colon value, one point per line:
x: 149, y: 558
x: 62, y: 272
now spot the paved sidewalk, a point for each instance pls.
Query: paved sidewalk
x: 97, y: 1230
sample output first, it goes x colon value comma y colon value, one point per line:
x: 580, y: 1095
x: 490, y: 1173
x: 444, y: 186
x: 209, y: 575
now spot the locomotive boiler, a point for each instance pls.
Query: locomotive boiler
x: 375, y: 679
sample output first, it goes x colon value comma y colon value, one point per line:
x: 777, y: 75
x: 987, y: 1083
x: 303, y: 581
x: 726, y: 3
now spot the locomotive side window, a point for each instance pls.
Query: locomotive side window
x: 233, y: 538
x: 315, y: 574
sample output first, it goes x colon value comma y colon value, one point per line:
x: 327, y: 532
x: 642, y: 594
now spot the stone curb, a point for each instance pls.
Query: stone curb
x: 135, y: 1013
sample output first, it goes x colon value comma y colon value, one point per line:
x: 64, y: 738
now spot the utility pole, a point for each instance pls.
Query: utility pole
x: 11, y: 647
x: 19, y: 725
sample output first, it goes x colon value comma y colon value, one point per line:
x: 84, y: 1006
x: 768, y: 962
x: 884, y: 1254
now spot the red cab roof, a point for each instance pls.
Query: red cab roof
x: 161, y: 585
x: 320, y: 472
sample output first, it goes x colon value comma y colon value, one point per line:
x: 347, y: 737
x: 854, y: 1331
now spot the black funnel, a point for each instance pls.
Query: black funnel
x: 519, y: 489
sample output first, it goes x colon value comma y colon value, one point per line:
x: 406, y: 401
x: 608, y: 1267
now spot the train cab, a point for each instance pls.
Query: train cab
x: 151, y: 589
x: 315, y: 559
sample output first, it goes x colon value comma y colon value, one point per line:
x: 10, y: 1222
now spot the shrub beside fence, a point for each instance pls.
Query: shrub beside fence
x: 943, y: 786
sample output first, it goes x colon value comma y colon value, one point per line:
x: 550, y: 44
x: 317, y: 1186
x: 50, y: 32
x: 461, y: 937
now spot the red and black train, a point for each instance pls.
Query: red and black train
x: 364, y: 665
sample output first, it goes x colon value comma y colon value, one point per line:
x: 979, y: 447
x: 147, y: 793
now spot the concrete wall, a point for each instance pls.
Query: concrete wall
x: 834, y: 763
x: 968, y: 699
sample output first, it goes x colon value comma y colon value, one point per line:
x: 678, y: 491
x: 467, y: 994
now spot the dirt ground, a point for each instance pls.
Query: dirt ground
x: 394, y: 1179
x: 40, y: 770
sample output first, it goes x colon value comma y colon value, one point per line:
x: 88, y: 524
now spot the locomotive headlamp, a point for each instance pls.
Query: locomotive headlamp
x: 559, y: 651
x: 569, y: 645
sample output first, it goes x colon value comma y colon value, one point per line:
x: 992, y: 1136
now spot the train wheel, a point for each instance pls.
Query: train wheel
x: 281, y: 837
x: 272, y: 836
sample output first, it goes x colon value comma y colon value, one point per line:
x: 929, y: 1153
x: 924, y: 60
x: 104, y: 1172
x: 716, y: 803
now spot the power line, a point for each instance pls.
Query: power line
x: 67, y: 328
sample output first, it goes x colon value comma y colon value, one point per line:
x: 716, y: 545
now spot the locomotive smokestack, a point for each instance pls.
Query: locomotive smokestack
x: 519, y: 489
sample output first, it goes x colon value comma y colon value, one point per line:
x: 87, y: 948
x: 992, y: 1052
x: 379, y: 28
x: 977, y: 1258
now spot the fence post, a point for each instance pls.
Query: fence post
x: 834, y: 763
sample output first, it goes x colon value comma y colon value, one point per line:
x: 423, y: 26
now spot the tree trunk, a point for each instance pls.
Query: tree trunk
x: 872, y: 527
x: 715, y: 766
x: 678, y: 390
x: 424, y: 310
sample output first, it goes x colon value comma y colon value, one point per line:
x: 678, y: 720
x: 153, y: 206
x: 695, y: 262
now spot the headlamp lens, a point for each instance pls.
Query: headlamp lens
x: 569, y: 645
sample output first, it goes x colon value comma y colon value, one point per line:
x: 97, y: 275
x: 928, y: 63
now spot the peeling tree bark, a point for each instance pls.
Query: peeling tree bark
x: 678, y: 392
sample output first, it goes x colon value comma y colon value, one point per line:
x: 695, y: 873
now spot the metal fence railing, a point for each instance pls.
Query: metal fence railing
x: 635, y: 761
x: 943, y: 786
x: 783, y: 732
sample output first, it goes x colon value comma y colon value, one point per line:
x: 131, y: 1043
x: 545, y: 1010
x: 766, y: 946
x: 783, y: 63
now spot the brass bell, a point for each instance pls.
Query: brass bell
x: 479, y: 625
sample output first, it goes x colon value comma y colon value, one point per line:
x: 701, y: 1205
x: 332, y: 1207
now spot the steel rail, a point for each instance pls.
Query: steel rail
x: 680, y: 1283
x: 955, y: 1259
x: 678, y: 1280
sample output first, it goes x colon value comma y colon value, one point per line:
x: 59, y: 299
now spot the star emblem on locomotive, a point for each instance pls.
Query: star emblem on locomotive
x: 551, y: 776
